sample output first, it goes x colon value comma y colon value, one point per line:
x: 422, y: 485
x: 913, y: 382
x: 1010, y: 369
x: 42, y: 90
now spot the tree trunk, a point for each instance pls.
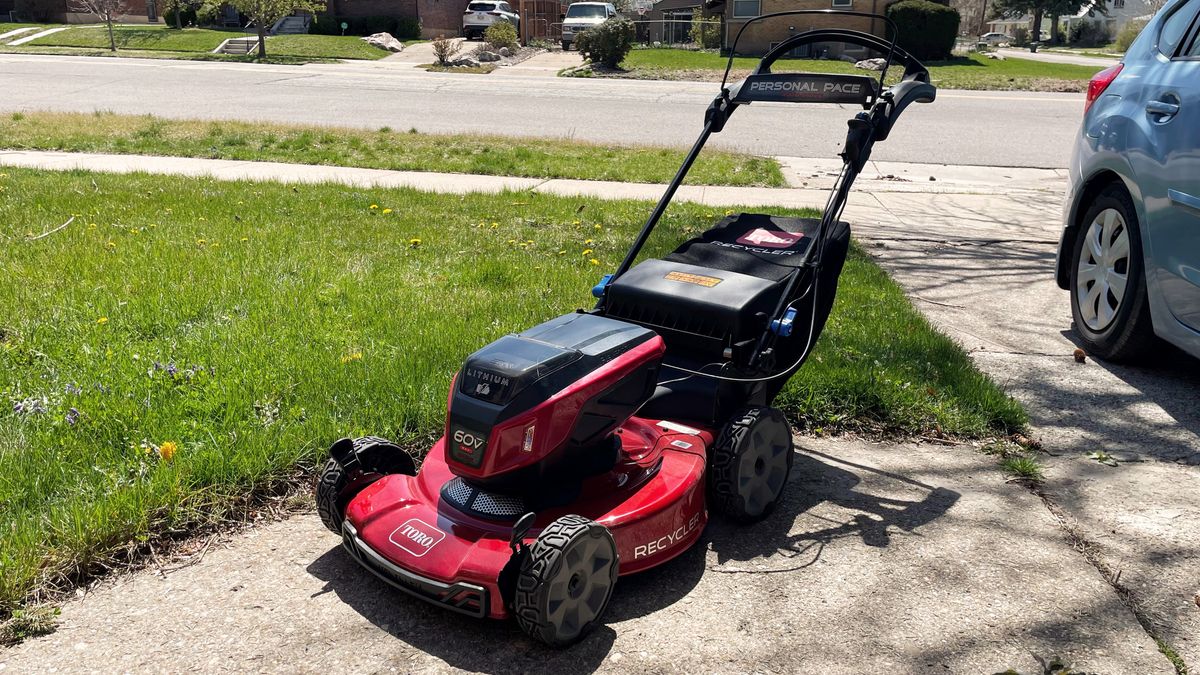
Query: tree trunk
x: 1054, y: 34
x: 1035, y: 31
x: 112, y: 41
x: 179, y: 15
x: 262, y: 39
x: 983, y: 19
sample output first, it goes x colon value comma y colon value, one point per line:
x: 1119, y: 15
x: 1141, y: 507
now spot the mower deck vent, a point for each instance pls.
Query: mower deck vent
x: 476, y: 502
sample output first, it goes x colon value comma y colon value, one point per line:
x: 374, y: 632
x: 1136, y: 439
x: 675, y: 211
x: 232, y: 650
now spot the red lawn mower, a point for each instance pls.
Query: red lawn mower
x: 595, y: 444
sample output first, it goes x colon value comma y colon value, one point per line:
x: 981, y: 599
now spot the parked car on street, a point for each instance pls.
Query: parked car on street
x: 483, y: 13
x: 1130, y: 247
x: 581, y: 16
x: 994, y: 39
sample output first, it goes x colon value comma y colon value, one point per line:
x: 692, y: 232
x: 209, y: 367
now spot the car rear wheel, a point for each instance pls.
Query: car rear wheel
x: 1108, y: 281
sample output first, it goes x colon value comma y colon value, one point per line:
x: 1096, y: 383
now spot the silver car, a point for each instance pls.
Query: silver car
x: 1130, y: 248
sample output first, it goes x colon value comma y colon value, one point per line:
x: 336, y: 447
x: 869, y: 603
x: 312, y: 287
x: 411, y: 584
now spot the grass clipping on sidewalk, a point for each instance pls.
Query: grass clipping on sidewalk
x: 380, y: 149
x: 185, y: 343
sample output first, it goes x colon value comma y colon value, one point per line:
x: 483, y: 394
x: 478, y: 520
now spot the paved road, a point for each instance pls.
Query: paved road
x: 977, y: 128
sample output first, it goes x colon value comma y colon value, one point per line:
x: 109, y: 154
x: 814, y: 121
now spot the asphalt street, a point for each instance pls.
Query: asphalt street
x: 961, y: 127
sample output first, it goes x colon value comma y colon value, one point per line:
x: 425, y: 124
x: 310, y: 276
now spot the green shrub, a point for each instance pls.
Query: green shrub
x: 1020, y: 37
x: 1089, y: 34
x: 926, y: 29
x: 1128, y: 34
x: 607, y: 43
x: 501, y: 34
x: 706, y: 31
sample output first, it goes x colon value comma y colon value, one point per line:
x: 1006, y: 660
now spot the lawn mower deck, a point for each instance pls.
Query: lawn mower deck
x: 596, y: 444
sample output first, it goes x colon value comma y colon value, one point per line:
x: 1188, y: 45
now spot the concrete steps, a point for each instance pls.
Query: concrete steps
x: 290, y: 25
x: 239, y: 46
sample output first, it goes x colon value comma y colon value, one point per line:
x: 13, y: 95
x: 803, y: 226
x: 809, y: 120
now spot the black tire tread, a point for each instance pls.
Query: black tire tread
x: 723, y: 466
x: 332, y: 482
x: 540, y: 565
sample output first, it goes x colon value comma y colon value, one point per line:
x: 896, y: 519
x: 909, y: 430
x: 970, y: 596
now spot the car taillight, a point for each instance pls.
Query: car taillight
x: 1099, y: 83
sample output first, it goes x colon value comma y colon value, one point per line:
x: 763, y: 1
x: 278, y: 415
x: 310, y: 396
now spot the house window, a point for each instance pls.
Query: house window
x: 843, y: 3
x: 744, y: 9
x: 1118, y: 4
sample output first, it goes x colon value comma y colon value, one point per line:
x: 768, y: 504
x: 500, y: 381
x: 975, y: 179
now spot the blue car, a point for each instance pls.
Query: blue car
x: 1130, y: 248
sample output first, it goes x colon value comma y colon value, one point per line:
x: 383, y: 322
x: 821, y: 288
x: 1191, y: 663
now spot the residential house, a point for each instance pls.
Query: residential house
x: 760, y: 36
x: 63, y: 11
x: 1117, y: 14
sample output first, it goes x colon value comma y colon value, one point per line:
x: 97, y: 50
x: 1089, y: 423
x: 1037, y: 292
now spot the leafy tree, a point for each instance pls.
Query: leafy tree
x: 264, y: 13
x: 178, y: 7
x: 107, y: 10
x: 1039, y: 8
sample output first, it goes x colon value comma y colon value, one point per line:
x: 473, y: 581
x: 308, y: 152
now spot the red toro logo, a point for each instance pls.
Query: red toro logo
x: 770, y: 239
x: 416, y: 537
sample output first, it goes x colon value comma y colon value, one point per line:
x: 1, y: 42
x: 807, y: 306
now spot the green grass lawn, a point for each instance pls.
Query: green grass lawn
x: 382, y: 149
x: 250, y: 325
x: 323, y: 46
x: 6, y: 27
x: 152, y: 38
x: 973, y: 72
x: 165, y: 41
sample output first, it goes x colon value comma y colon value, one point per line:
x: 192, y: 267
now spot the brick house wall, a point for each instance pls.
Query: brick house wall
x: 137, y: 11
x: 440, y: 17
x: 758, y: 38
x: 359, y: 8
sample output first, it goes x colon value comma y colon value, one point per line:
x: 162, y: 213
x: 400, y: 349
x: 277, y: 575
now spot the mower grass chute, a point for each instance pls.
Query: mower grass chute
x: 594, y: 445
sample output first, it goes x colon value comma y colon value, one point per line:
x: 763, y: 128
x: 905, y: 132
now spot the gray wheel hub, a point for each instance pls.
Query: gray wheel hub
x: 1103, y: 271
x: 763, y: 465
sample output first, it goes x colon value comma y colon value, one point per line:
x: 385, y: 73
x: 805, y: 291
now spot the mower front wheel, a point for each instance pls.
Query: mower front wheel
x: 353, y: 466
x: 750, y: 463
x: 566, y: 580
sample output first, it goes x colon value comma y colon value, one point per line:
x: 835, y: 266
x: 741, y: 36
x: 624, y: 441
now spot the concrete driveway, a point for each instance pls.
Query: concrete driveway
x: 1057, y: 57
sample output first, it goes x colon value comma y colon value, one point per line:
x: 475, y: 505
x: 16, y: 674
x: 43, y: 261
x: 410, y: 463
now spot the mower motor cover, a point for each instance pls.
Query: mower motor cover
x: 524, y: 405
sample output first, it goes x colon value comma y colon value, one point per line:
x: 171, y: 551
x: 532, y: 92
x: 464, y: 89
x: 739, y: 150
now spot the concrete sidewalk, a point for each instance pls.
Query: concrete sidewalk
x: 1058, y: 57
x: 888, y: 559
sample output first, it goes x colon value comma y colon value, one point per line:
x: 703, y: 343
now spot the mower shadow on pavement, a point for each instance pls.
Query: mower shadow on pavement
x: 801, y: 537
x: 499, y: 646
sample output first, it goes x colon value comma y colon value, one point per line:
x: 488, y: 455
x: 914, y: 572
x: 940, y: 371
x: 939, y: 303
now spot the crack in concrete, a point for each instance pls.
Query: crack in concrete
x: 1090, y: 551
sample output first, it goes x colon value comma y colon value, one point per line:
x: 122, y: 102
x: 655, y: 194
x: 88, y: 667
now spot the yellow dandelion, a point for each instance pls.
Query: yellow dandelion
x: 111, y: 244
x: 133, y: 230
x: 563, y: 252
x: 102, y: 320
x: 594, y: 261
x: 598, y: 226
x: 201, y: 242
x: 414, y: 243
x: 386, y: 211
x: 216, y: 244
x: 374, y: 206
x: 203, y: 219
x: 153, y: 224
x: 587, y: 251
x: 729, y: 212
x: 91, y: 226
x: 495, y: 225
x: 575, y: 223
x: 352, y: 357
x: 244, y: 239
x: 588, y: 241
x: 167, y: 450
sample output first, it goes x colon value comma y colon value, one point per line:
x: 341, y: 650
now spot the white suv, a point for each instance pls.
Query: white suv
x: 483, y: 13
x: 581, y: 16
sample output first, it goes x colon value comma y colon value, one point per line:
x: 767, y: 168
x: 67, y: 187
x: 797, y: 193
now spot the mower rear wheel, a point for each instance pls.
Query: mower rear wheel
x: 566, y: 580
x: 750, y: 463
x: 336, y: 486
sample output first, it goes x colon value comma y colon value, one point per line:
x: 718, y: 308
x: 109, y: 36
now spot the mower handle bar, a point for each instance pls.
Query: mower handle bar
x: 791, y: 43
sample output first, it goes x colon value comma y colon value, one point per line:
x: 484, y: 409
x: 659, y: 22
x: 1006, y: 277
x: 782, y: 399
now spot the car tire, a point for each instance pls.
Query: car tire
x: 566, y: 580
x: 1109, y: 303
x: 749, y: 464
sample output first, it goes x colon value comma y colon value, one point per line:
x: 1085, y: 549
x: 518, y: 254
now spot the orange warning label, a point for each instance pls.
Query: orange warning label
x: 698, y: 279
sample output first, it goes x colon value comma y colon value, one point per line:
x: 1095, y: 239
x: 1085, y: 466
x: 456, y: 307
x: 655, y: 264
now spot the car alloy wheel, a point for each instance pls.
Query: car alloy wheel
x: 1103, y: 270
